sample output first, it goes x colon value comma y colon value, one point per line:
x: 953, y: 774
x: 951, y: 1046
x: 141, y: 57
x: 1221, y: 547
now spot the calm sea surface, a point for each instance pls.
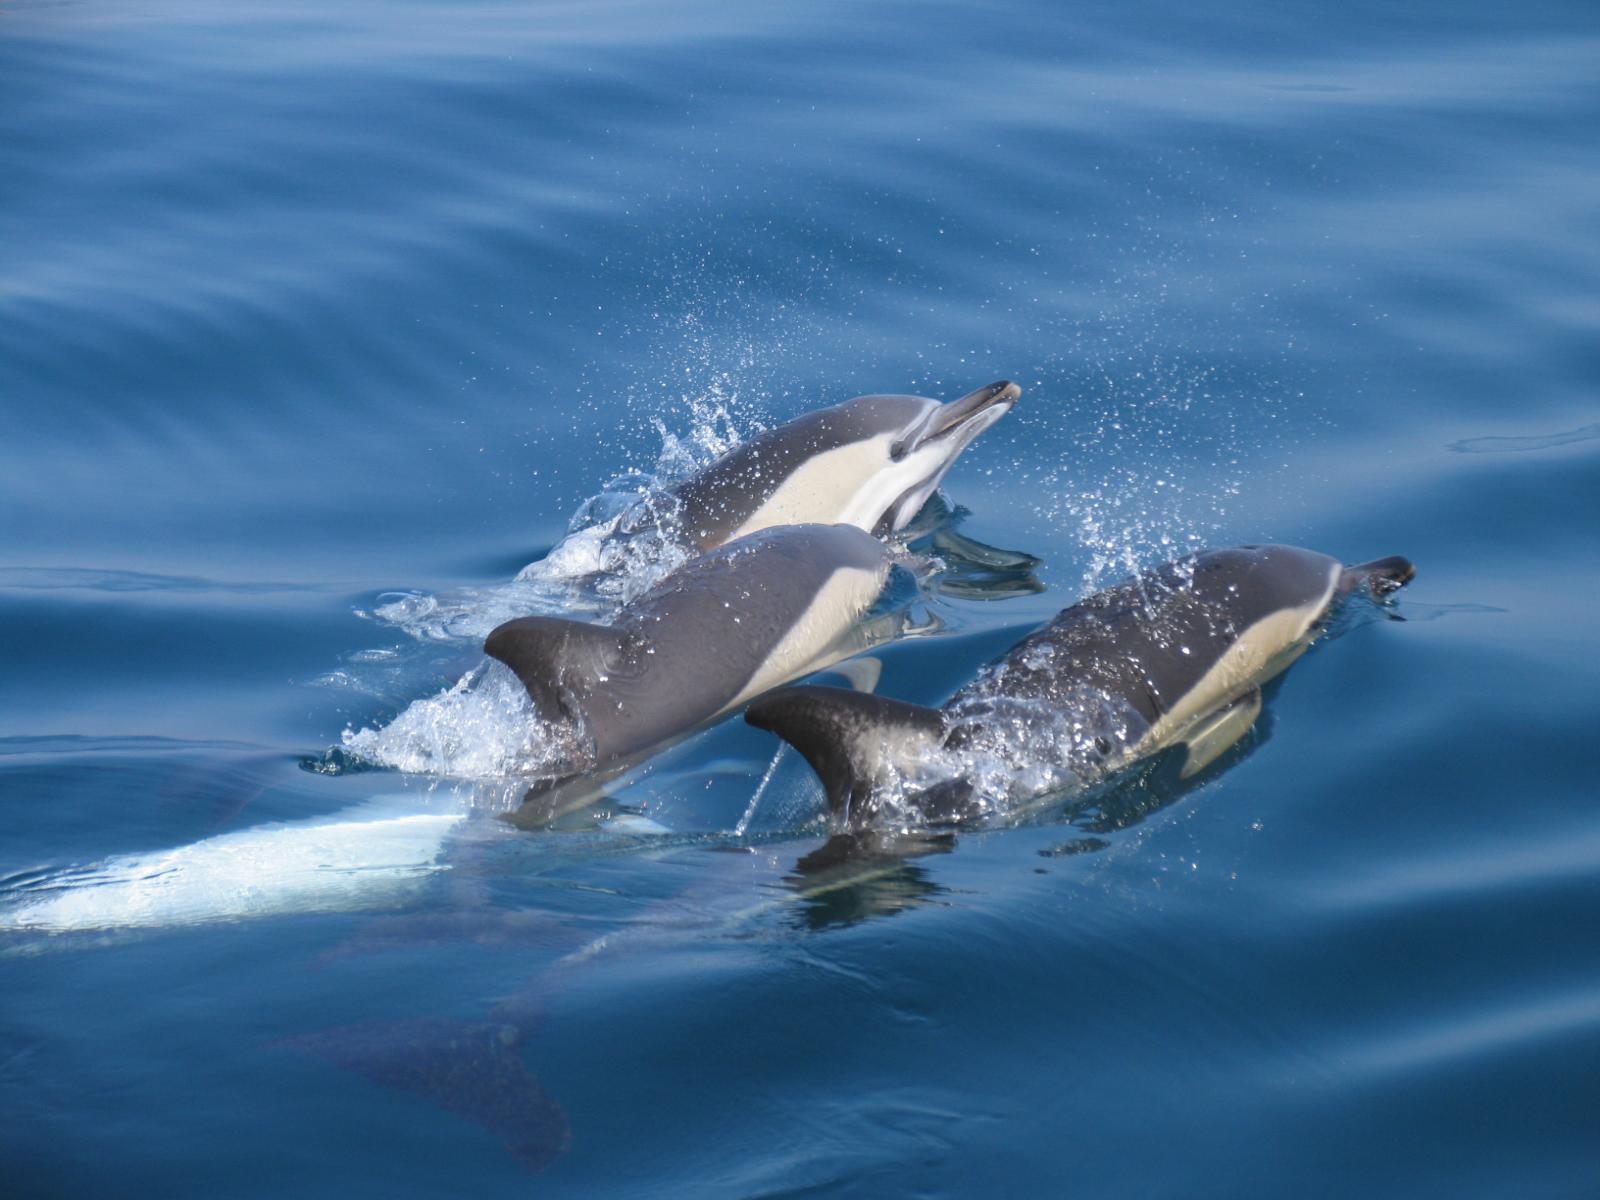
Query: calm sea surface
x: 318, y: 322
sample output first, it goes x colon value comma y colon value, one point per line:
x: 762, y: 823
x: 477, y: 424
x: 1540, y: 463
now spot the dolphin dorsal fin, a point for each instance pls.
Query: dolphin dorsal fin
x: 557, y: 659
x: 853, y: 740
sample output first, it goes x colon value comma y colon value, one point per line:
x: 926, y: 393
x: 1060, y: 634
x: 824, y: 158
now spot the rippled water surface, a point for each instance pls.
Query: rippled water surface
x: 319, y: 322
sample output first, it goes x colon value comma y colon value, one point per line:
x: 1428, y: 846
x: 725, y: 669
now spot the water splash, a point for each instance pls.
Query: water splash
x: 1170, y: 410
x: 485, y: 727
x: 1005, y: 756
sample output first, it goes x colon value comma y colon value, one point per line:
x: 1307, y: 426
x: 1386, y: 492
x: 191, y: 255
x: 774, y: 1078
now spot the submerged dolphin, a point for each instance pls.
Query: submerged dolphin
x: 760, y: 611
x: 371, y: 855
x: 1175, y: 656
x: 476, y: 1068
x: 871, y: 462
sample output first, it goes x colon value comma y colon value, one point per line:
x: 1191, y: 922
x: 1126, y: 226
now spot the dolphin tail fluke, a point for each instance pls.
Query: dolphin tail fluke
x: 1384, y: 575
x: 472, y: 1070
x: 553, y: 656
x: 853, y: 740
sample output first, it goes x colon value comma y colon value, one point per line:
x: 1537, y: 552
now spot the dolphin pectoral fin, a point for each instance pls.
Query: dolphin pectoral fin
x: 1384, y: 575
x: 851, y: 739
x: 975, y: 571
x: 1212, y: 737
x: 472, y: 1070
x: 987, y: 585
x: 863, y: 673
x: 949, y: 544
x: 552, y: 656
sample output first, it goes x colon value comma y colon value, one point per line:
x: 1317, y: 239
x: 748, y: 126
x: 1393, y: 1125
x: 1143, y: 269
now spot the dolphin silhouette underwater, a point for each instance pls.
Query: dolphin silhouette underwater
x: 1175, y: 656
x: 762, y: 610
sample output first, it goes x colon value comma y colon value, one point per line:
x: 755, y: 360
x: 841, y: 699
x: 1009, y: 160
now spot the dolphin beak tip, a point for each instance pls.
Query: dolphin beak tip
x: 966, y: 411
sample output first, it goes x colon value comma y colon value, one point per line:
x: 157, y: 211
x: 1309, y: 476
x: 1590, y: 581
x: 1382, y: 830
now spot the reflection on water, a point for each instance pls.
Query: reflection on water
x: 385, y: 851
x: 858, y: 875
x: 1504, y: 445
x: 476, y: 1069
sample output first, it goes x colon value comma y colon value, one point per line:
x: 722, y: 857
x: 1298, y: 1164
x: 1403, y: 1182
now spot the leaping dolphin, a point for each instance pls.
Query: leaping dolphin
x: 762, y: 610
x: 1175, y: 656
x: 871, y: 462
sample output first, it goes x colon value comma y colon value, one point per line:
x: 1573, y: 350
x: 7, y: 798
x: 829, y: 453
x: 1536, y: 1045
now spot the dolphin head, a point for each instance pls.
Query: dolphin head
x: 918, y: 453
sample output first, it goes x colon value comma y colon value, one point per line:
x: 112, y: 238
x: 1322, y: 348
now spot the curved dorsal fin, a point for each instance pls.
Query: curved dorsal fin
x: 557, y: 659
x: 851, y: 739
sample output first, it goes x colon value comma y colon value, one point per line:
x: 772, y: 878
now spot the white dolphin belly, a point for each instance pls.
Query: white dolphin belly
x: 372, y: 854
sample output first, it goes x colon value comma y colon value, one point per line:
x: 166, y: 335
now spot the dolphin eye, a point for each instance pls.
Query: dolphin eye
x: 900, y: 449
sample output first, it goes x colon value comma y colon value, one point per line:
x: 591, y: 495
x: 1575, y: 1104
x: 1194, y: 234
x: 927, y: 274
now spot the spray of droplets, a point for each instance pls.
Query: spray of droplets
x: 1003, y: 754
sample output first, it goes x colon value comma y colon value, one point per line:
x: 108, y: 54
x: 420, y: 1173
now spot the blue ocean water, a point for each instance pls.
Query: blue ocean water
x: 315, y: 313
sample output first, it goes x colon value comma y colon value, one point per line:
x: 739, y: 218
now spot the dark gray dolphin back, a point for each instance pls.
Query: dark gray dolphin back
x: 1151, y: 640
x: 687, y: 649
x: 720, y: 499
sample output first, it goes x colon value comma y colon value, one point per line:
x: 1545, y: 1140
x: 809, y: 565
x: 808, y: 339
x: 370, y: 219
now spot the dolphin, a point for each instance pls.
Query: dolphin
x: 766, y: 608
x: 871, y: 462
x: 1175, y: 656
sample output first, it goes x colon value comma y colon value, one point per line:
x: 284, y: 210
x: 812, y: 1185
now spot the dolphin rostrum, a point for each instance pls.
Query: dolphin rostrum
x: 764, y: 609
x: 1175, y: 656
x: 871, y: 462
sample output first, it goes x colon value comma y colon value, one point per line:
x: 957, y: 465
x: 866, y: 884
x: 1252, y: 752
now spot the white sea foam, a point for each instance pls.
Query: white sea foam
x: 484, y: 727
x: 371, y: 855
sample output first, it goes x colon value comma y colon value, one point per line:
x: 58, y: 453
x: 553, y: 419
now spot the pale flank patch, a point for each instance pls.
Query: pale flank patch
x: 1260, y: 653
x: 817, y: 638
x: 824, y: 488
